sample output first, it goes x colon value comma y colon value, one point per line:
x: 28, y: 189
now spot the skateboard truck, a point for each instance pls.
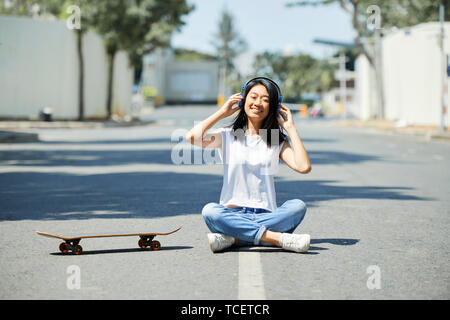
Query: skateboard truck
x: 147, y: 241
x: 72, y: 245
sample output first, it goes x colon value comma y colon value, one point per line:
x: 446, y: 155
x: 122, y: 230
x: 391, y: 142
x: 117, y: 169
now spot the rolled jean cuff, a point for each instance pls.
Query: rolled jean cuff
x: 258, y: 236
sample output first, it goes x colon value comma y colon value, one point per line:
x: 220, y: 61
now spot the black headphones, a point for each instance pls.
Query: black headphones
x: 241, y: 103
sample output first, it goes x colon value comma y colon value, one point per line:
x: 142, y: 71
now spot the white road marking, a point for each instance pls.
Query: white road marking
x: 251, y: 284
x: 104, y: 169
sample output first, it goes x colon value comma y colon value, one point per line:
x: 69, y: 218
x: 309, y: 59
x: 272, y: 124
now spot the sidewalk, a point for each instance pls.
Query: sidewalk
x: 386, y: 126
x: 15, y: 137
x: 23, y: 131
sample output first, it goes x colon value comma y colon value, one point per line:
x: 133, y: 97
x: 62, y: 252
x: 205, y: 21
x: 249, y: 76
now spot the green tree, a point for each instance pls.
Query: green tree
x: 63, y: 12
x: 392, y: 13
x: 136, y: 26
x: 17, y: 7
x: 182, y: 54
x: 297, y: 74
x: 228, y: 44
x: 398, y: 13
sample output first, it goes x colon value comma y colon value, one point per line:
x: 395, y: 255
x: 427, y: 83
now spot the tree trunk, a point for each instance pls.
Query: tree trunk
x: 111, y: 55
x: 373, y: 58
x: 79, y: 34
x: 375, y: 62
x: 379, y: 76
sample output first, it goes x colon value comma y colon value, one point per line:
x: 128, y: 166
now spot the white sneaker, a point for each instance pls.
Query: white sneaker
x: 218, y: 241
x: 295, y: 242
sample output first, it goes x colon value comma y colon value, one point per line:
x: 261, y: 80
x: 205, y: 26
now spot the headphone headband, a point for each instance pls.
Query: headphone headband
x: 265, y: 78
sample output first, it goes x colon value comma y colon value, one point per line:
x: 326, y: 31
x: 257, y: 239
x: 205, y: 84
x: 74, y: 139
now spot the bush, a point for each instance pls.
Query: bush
x: 149, y: 93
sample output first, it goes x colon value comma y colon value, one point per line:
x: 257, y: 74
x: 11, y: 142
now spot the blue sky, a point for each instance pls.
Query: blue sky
x: 266, y: 25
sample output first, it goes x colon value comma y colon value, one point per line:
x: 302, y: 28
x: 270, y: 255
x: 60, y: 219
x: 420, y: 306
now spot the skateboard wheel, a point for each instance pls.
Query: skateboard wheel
x: 63, y: 247
x: 77, y: 249
x: 142, y: 244
x: 155, y: 245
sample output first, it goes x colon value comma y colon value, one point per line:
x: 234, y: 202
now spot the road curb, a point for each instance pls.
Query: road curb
x: 16, y: 131
x: 389, y: 127
x: 20, y: 125
x: 18, y: 137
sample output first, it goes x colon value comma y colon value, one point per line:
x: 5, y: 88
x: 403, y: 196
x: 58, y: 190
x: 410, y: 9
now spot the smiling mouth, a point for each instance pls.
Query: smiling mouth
x: 256, y: 110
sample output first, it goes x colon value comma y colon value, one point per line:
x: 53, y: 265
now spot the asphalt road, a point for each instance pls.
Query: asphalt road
x: 378, y: 215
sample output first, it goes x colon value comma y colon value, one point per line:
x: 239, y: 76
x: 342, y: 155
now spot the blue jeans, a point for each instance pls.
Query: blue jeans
x: 249, y: 224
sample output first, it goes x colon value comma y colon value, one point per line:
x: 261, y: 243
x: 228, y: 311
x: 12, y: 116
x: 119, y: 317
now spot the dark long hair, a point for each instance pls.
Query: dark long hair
x: 270, y: 122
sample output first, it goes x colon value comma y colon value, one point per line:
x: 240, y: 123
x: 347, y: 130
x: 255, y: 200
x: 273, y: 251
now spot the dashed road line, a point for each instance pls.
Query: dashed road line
x: 251, y: 283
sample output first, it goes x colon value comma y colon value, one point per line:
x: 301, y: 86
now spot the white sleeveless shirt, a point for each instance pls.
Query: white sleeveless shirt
x: 249, y: 167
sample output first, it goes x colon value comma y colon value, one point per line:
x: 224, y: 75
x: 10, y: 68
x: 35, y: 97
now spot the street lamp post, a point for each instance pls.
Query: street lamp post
x: 342, y: 71
x: 444, y: 90
x: 343, y: 84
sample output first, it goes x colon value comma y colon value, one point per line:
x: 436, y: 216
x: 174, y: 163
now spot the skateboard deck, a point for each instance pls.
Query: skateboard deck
x: 72, y: 242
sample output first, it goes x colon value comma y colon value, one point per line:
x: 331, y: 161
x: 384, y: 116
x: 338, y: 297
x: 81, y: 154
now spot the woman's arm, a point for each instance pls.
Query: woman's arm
x: 198, y: 135
x: 295, y: 155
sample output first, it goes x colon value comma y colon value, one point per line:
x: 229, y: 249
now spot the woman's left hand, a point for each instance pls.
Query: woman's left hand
x: 286, y: 121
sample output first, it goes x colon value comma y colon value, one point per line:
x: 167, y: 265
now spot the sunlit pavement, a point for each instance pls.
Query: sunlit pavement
x: 378, y: 216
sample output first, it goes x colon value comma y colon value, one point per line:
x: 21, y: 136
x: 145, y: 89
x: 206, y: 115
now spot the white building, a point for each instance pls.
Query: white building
x: 181, y: 82
x: 332, y: 100
x: 412, y: 76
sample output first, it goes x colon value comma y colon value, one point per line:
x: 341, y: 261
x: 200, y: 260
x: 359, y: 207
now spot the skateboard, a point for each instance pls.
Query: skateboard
x: 72, y: 243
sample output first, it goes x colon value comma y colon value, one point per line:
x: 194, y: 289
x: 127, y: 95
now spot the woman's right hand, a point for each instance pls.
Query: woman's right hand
x: 227, y: 108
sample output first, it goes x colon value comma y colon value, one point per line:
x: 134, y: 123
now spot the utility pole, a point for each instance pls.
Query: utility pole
x: 343, y: 84
x: 342, y: 71
x: 379, y: 74
x: 222, y: 84
x: 444, y: 91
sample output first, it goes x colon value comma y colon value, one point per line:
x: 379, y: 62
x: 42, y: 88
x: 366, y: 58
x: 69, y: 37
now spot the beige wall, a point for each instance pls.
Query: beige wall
x: 39, y: 68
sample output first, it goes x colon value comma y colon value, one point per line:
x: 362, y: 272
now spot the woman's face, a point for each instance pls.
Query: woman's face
x: 257, y: 102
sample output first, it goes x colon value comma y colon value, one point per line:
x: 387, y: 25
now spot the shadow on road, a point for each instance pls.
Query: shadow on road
x: 43, y: 194
x: 131, y: 250
x: 311, y: 251
x: 339, y: 242
x: 154, y: 140
x: 52, y: 196
x: 55, y: 196
x: 89, y: 157
x: 269, y: 250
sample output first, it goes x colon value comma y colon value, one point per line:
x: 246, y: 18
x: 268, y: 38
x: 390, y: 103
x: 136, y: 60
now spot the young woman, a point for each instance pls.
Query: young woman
x: 250, y: 150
